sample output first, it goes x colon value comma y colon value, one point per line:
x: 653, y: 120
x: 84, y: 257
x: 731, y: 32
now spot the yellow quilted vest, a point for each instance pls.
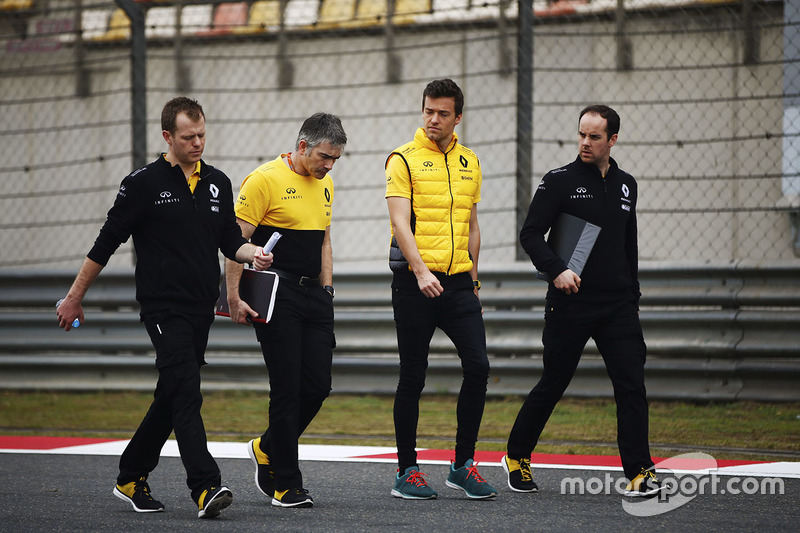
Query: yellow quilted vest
x: 444, y: 188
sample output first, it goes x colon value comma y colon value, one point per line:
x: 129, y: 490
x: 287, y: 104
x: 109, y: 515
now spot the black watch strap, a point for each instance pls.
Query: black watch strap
x: 330, y: 290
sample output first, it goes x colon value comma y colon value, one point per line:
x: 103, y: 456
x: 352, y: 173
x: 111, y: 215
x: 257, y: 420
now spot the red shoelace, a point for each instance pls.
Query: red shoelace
x: 416, y: 478
x: 473, y: 471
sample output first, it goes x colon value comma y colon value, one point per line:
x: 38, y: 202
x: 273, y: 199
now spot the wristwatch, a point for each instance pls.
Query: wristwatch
x: 477, y: 284
x: 330, y: 290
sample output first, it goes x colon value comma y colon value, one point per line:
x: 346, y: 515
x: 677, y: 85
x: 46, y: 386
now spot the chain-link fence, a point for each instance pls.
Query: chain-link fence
x: 708, y: 92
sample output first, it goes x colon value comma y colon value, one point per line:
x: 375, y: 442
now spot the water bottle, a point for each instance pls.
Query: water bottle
x: 75, y: 323
x: 273, y: 240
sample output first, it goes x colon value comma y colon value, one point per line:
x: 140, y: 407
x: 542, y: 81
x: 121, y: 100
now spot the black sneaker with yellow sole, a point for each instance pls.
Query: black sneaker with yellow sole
x: 520, y: 477
x: 212, y: 501
x: 644, y: 485
x: 292, y: 498
x: 265, y: 475
x: 137, y: 493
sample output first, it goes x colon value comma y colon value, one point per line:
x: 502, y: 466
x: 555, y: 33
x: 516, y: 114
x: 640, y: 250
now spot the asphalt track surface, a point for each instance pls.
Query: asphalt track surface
x: 72, y: 492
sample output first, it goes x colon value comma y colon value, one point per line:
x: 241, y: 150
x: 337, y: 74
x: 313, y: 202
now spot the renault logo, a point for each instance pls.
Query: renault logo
x: 581, y: 190
x: 291, y: 190
x: 427, y: 163
x: 165, y: 194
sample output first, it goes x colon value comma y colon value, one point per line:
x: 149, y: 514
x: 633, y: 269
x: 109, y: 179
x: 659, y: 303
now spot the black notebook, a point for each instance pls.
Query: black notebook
x: 258, y: 288
x: 572, y: 239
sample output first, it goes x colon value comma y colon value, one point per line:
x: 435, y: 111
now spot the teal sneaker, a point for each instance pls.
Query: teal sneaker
x: 470, y: 481
x: 412, y: 486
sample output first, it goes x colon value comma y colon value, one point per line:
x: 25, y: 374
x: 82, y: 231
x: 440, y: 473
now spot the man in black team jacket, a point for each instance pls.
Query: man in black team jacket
x: 179, y: 211
x: 603, y: 303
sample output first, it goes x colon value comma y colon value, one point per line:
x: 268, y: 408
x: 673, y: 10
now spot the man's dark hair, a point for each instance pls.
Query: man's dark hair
x: 444, y: 88
x: 322, y: 127
x: 181, y: 104
x: 611, y: 116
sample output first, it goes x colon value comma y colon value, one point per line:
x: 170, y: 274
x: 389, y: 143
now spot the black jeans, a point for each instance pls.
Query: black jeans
x: 180, y: 342
x: 457, y: 312
x: 617, y: 333
x: 298, y: 350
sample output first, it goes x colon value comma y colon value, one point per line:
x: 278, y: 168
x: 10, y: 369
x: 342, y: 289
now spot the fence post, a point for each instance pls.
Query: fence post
x: 183, y: 80
x: 82, y: 84
x: 790, y: 180
x: 285, y: 65
x: 394, y: 65
x: 624, y: 48
x: 138, y: 82
x: 524, y: 116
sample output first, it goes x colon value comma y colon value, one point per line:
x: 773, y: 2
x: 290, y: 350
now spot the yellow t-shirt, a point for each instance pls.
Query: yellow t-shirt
x: 274, y: 198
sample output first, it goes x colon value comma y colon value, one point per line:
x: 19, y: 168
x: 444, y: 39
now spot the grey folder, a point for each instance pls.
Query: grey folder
x: 257, y: 288
x: 572, y: 239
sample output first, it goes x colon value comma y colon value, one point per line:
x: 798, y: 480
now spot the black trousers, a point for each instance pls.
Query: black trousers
x: 298, y: 350
x: 457, y: 312
x: 180, y: 342
x: 617, y: 333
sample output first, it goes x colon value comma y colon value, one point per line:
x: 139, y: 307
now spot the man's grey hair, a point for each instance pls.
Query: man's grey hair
x: 319, y: 128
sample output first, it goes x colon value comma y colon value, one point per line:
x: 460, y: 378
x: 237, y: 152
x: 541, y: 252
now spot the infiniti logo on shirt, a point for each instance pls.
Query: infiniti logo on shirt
x: 166, y: 198
x: 291, y: 194
x: 581, y: 193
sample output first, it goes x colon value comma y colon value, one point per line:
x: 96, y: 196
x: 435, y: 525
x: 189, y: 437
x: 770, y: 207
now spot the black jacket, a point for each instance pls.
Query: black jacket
x: 176, y: 235
x: 611, y: 272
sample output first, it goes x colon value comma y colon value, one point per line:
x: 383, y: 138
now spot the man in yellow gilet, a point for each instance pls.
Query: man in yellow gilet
x: 433, y: 186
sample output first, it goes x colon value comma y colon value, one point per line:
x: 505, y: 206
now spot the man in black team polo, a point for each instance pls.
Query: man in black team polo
x: 179, y: 211
x: 602, y: 303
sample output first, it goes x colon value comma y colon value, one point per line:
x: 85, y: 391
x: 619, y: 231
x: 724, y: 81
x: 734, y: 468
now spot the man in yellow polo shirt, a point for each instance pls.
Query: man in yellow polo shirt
x: 293, y: 195
x: 433, y: 186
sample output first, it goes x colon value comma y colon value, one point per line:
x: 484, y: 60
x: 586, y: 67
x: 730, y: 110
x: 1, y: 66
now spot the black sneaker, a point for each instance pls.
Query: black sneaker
x: 212, y: 501
x: 265, y: 475
x: 292, y: 498
x: 137, y: 493
x: 520, y: 477
x: 644, y: 485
